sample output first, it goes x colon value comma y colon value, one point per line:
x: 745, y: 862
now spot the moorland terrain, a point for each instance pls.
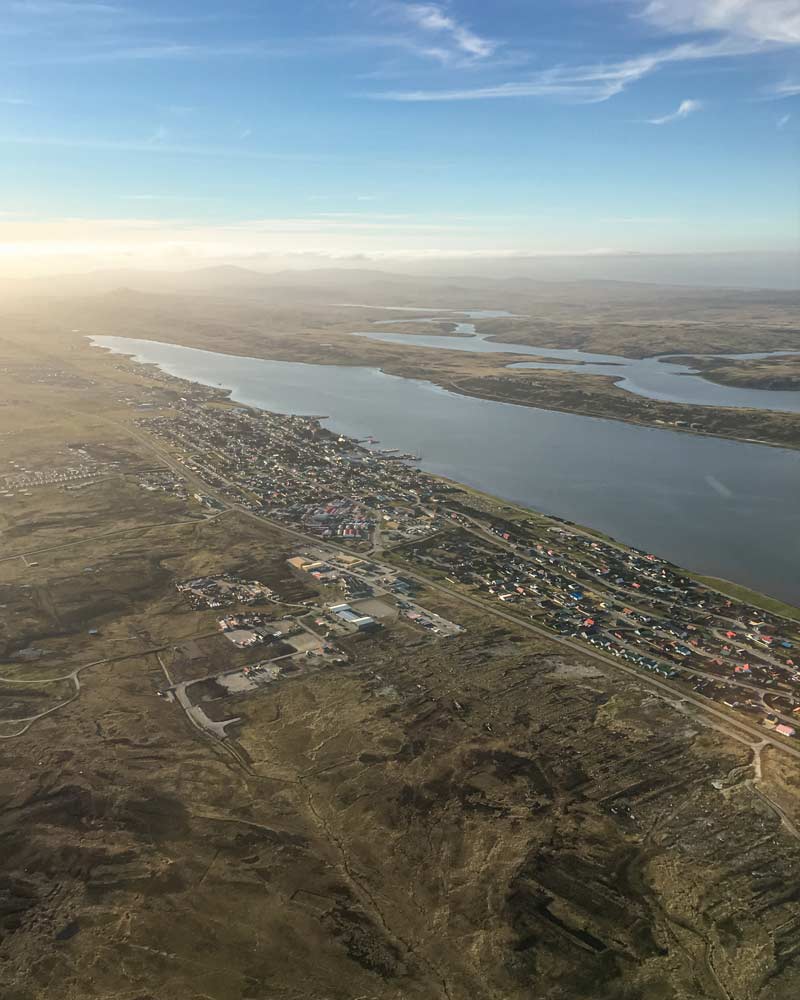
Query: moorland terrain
x: 490, y: 815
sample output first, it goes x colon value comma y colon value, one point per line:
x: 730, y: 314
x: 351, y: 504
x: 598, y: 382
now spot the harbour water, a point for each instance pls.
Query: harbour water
x: 719, y: 507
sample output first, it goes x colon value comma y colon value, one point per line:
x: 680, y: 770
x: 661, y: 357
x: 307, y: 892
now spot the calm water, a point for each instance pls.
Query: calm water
x: 720, y: 507
x: 655, y: 378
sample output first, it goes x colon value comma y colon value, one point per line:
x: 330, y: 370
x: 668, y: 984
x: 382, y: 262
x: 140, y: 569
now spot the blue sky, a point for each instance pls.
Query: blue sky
x: 162, y: 130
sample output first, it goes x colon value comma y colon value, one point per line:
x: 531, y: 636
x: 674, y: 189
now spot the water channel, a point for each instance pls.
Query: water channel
x: 724, y: 508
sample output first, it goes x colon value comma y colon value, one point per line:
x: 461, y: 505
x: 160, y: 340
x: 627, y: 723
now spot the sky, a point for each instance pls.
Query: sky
x: 177, y: 132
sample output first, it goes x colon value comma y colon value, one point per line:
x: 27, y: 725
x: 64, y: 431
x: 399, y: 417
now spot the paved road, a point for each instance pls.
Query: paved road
x: 74, y: 676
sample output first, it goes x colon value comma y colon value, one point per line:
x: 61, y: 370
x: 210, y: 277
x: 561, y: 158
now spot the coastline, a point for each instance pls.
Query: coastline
x: 483, y: 377
x: 728, y: 588
x: 500, y: 504
x: 790, y: 438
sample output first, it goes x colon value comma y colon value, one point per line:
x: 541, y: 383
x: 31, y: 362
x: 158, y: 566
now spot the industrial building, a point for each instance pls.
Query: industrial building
x: 352, y: 618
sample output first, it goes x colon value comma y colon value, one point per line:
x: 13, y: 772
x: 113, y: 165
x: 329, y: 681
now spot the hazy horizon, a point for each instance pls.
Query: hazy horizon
x: 152, y: 135
x: 778, y: 271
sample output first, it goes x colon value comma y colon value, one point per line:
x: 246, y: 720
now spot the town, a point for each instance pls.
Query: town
x: 624, y: 605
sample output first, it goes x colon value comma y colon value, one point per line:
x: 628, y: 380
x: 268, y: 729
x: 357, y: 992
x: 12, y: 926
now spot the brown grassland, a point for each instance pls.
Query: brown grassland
x: 482, y: 817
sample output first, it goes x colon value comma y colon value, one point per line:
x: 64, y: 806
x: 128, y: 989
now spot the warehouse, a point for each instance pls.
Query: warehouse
x: 352, y: 618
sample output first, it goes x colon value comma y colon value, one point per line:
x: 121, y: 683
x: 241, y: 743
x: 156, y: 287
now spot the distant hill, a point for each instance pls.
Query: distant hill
x: 373, y: 286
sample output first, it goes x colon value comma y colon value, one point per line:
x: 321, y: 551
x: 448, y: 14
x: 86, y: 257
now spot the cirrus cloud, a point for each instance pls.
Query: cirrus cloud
x: 684, y: 109
x: 432, y: 17
x: 789, y: 88
x: 763, y: 21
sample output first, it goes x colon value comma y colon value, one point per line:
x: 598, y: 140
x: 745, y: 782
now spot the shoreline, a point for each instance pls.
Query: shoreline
x: 653, y: 425
x: 766, y: 602
x: 594, y: 396
x: 728, y: 588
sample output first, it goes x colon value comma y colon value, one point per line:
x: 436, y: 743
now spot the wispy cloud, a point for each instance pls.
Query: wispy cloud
x: 346, y: 197
x: 344, y: 222
x: 153, y: 146
x: 164, y: 197
x: 86, y: 12
x: 103, y: 50
x: 162, y: 51
x: 684, y: 109
x: 433, y: 18
x: 762, y: 21
x: 53, y: 8
x: 783, y: 121
x: 789, y: 88
x: 638, y: 220
x: 14, y: 100
x: 579, y: 84
x: 724, y: 28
